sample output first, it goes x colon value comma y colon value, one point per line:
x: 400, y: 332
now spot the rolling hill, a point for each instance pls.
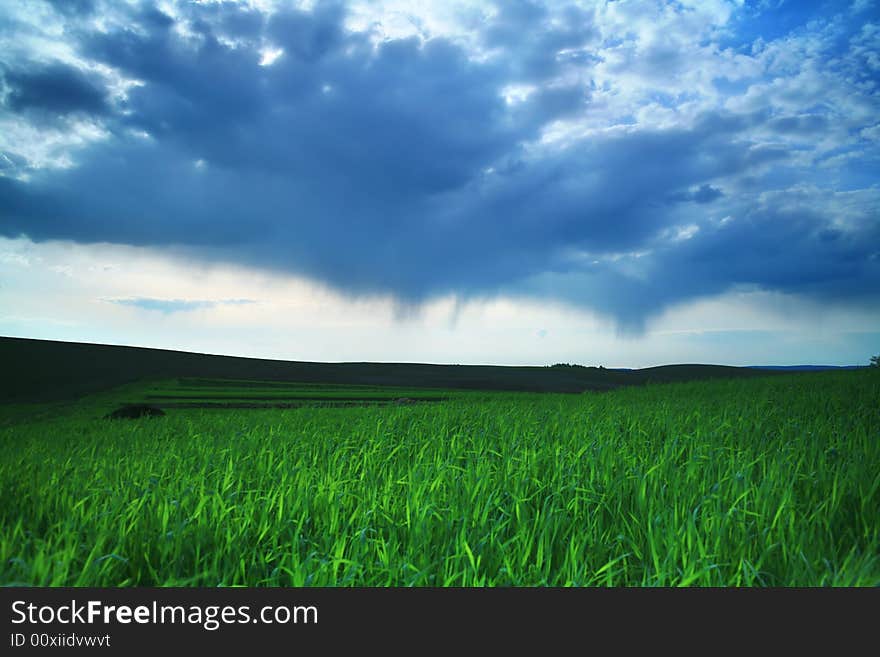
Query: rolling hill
x: 45, y: 370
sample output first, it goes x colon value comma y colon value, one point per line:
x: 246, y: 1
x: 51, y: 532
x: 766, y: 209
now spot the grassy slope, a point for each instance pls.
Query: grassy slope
x: 43, y: 370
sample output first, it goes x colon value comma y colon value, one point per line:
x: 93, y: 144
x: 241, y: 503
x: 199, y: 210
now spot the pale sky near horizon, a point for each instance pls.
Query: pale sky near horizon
x: 625, y: 184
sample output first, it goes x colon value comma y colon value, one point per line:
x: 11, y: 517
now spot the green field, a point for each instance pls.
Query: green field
x: 769, y: 481
x: 257, y: 394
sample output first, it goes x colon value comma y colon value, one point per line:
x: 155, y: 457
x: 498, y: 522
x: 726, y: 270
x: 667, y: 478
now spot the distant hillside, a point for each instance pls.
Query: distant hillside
x: 806, y: 368
x: 43, y: 370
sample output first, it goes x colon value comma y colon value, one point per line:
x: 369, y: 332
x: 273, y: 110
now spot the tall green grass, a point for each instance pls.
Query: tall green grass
x: 760, y: 482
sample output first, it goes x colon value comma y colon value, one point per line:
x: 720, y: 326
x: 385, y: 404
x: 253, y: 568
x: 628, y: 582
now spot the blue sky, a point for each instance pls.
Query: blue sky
x: 627, y: 183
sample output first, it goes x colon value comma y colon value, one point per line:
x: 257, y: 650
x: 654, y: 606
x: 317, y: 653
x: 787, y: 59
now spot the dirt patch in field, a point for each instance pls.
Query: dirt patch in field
x: 134, y: 411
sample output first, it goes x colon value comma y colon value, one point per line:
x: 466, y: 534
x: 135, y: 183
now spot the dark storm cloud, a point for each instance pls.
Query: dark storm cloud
x: 309, y: 36
x: 536, y: 47
x: 786, y: 248
x: 55, y: 89
x: 406, y: 222
x: 776, y: 245
x: 401, y: 168
x: 73, y: 7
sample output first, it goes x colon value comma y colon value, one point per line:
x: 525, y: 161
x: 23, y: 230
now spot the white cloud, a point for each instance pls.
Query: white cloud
x: 294, y: 319
x: 27, y: 146
x: 394, y: 19
x: 268, y: 56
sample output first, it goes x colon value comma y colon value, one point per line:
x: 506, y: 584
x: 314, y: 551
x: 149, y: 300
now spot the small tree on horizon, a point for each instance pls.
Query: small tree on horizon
x: 875, y: 361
